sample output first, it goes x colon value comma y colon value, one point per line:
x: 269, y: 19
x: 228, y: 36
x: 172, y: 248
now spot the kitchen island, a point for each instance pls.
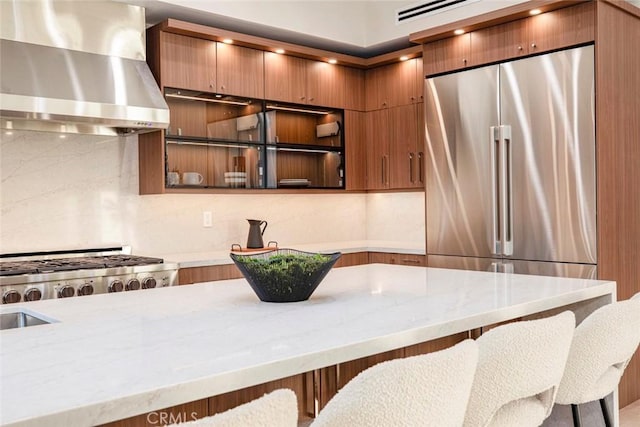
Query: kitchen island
x: 112, y: 356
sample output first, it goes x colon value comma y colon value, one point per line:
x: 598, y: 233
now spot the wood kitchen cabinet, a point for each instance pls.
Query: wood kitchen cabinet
x: 186, y: 62
x: 395, y: 258
x: 448, y: 54
x: 240, y: 71
x: 393, y: 85
x: 555, y: 29
x: 205, y: 65
x: 395, y: 154
x: 355, y: 147
x: 406, y: 159
x: 303, y: 81
x: 354, y: 89
x: 377, y: 149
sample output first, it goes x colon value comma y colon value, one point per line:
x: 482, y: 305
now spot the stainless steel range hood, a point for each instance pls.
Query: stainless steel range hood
x: 77, y: 67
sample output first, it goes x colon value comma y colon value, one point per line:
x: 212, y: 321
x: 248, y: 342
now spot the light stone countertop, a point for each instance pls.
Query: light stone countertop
x: 204, y: 259
x: 112, y: 356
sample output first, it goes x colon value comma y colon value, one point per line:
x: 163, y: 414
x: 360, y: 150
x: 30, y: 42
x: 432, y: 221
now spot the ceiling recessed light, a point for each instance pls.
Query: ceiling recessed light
x: 404, y: 58
x: 535, y: 12
x: 280, y: 51
x: 227, y: 41
x: 458, y: 32
x: 332, y: 61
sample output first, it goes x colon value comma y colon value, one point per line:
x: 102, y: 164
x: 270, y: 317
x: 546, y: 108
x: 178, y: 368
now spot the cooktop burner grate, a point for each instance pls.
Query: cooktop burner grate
x: 13, y: 268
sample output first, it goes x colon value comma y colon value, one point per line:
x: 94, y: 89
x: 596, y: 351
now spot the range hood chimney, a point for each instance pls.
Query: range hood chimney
x: 77, y: 67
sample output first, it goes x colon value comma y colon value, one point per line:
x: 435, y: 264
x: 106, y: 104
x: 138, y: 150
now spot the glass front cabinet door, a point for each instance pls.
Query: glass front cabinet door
x: 220, y: 141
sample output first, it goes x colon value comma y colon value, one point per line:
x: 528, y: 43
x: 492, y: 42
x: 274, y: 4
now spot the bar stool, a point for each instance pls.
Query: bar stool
x: 276, y: 409
x: 602, y: 347
x: 519, y: 368
x: 425, y: 390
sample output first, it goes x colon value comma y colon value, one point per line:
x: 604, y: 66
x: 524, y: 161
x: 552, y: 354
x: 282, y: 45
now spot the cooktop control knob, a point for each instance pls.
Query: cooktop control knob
x: 133, y: 285
x: 116, y: 286
x: 11, y: 296
x: 66, y: 291
x: 148, y: 283
x: 33, y: 294
x: 85, y: 289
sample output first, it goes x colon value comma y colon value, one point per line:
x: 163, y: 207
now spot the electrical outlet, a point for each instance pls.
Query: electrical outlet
x: 207, y: 219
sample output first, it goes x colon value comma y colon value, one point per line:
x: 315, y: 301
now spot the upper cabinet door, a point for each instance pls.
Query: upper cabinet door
x: 187, y: 62
x: 325, y: 84
x: 561, y: 28
x: 500, y: 42
x: 240, y: 71
x: 284, y: 78
x: 447, y: 54
x: 375, y: 80
x: 354, y: 90
x: 401, y: 87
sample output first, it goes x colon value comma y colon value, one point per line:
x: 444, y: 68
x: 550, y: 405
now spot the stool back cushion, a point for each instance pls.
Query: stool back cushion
x: 519, y: 368
x: 602, y: 347
x: 276, y: 409
x: 425, y: 390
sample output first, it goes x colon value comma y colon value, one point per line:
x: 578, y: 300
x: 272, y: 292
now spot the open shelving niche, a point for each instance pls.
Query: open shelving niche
x: 236, y: 142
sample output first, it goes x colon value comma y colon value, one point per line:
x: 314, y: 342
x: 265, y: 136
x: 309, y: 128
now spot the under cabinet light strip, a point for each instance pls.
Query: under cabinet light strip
x: 195, y: 98
x: 297, y: 110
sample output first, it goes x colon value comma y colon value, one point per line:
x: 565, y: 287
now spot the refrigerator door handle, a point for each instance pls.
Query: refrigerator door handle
x: 496, y: 238
x: 507, y: 190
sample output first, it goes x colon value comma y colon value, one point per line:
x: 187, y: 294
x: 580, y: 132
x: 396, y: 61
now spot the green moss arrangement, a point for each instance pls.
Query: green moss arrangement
x: 284, y: 275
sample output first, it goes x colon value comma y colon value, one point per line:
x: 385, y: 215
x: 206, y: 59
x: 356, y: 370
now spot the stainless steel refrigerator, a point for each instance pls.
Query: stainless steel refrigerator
x: 511, y: 173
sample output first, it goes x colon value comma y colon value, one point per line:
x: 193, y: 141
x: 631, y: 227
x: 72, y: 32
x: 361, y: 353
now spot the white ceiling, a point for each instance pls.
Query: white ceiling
x: 357, y: 27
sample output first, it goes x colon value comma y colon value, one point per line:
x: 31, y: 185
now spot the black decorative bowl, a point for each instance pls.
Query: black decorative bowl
x: 285, y: 275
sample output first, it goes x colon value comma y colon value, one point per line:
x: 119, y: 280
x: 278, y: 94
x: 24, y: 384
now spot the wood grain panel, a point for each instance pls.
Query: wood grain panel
x: 395, y: 258
x: 500, y: 42
x: 240, y: 71
x: 403, y: 137
x: 284, y: 78
x: 419, y: 84
x: 377, y: 149
x: 354, y: 89
x: 297, y: 383
x: 294, y: 165
x: 356, y: 258
x: 325, y: 84
x: 448, y: 54
x: 210, y: 273
x: 151, y: 162
x: 187, y: 62
x: 400, y: 86
x: 562, y: 28
x: 175, y: 414
x: 435, y: 345
x: 618, y: 157
x: 375, y: 80
x: 355, y: 158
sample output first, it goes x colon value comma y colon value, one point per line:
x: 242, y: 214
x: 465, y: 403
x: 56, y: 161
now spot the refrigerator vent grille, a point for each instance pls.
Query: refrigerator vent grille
x: 428, y: 8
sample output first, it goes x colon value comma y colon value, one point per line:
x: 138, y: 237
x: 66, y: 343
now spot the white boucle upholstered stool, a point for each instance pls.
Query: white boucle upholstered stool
x: 276, y: 409
x: 602, y: 347
x: 519, y: 368
x: 426, y: 390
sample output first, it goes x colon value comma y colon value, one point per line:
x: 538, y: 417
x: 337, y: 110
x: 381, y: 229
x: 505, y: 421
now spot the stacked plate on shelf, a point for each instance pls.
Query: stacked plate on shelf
x: 235, y: 179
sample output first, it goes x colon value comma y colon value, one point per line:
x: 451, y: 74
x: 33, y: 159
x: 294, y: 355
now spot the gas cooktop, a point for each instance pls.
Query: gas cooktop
x: 11, y: 268
x: 62, y: 274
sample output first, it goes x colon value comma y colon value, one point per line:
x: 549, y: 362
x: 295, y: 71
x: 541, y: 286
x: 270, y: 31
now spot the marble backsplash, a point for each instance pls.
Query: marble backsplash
x: 82, y: 191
